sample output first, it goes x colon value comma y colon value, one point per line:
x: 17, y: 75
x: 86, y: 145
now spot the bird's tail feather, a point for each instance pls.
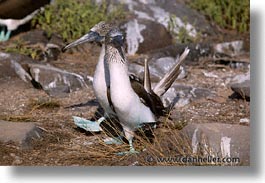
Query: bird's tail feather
x: 165, y: 83
x: 147, y: 80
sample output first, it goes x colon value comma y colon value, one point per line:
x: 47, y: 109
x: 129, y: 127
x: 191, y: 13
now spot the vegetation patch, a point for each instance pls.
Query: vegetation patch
x: 23, y: 48
x: 73, y: 18
x: 228, y: 14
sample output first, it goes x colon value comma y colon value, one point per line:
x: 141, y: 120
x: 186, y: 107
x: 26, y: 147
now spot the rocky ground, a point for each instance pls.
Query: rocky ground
x: 211, y: 115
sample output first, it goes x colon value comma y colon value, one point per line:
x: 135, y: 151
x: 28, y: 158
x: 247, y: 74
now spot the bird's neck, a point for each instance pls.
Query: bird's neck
x: 118, y: 70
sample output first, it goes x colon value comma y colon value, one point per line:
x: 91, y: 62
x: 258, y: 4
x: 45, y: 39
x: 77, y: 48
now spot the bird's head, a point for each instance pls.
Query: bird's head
x: 115, y: 38
x: 96, y: 34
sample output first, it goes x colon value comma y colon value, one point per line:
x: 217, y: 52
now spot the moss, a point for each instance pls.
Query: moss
x: 229, y: 14
x: 73, y: 18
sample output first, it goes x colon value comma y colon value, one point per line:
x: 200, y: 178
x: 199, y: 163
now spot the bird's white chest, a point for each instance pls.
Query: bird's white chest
x: 127, y: 104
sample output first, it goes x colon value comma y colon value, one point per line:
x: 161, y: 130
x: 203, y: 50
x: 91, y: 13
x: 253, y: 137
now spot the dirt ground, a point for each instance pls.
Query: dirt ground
x: 64, y: 144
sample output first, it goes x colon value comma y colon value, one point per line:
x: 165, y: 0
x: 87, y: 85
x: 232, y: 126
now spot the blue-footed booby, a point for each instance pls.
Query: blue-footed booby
x: 14, y: 13
x: 13, y: 24
x: 101, y: 82
x: 131, y: 106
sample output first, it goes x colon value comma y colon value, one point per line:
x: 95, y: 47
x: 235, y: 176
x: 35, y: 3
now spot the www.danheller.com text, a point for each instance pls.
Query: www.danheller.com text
x: 193, y: 159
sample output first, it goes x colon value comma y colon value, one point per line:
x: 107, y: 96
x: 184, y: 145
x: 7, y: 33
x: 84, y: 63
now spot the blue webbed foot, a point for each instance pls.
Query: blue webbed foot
x: 91, y: 126
x: 131, y: 151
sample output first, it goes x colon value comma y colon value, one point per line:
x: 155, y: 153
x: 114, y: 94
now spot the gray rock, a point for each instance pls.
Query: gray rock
x: 55, y: 81
x: 241, y: 85
x: 220, y: 140
x: 243, y: 89
x: 181, y: 95
x: 21, y: 133
x: 197, y: 51
x: 244, y: 121
x: 158, y: 68
x: 233, y: 48
x: 140, y: 36
x: 48, y: 49
x: 35, y: 37
x: 12, y: 65
x: 148, y: 27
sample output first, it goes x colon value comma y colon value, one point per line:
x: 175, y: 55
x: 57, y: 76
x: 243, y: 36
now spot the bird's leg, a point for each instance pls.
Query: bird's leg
x: 7, y: 36
x: 91, y: 126
x: 4, y: 36
x: 129, y: 136
x: 132, y: 150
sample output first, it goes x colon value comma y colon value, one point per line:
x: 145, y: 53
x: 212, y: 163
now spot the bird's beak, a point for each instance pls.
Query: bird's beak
x: 89, y: 37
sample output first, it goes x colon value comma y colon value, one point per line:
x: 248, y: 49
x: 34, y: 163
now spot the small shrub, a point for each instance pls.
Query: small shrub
x: 21, y: 47
x: 73, y: 18
x: 229, y: 14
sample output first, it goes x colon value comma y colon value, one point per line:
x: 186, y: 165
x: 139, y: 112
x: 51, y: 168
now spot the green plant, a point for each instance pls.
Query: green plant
x: 21, y: 47
x: 229, y: 14
x: 73, y: 18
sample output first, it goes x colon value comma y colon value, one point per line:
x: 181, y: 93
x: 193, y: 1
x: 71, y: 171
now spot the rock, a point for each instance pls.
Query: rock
x: 152, y: 24
x: 161, y: 66
x: 197, y: 51
x: 244, y: 121
x: 231, y: 49
x: 240, y: 78
x: 140, y: 36
x: 180, y: 95
x: 243, y: 89
x: 47, y: 49
x: 55, y: 81
x: 233, y: 53
x: 158, y: 68
x: 161, y: 12
x: 21, y: 133
x: 11, y: 65
x: 35, y: 37
x: 241, y: 85
x: 220, y: 140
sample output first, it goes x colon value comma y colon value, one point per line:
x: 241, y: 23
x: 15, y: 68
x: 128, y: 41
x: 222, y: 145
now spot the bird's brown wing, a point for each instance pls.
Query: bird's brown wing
x: 151, y: 100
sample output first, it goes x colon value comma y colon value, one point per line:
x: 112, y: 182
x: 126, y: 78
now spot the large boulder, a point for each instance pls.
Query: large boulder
x: 220, y: 140
x: 153, y: 24
x: 11, y: 65
x: 240, y: 84
x: 145, y: 35
x: 54, y: 81
x: 21, y: 133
